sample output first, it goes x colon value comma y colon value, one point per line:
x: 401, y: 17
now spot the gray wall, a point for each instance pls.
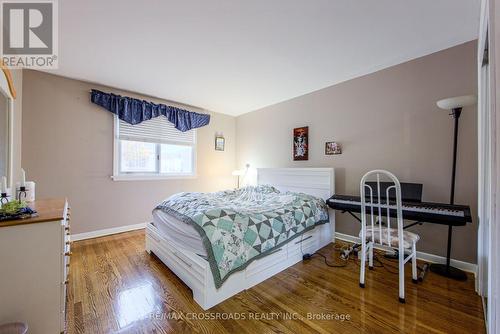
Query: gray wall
x: 68, y: 151
x: 388, y: 119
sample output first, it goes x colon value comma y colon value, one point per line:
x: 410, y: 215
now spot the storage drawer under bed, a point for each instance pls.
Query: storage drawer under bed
x: 197, y: 267
x: 273, y: 259
x: 195, y: 271
x: 308, y: 242
x: 175, y: 258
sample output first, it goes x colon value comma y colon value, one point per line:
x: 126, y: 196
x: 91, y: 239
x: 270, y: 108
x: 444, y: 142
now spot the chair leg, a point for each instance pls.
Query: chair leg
x: 414, y: 273
x: 370, y: 256
x: 362, y: 268
x: 401, y: 276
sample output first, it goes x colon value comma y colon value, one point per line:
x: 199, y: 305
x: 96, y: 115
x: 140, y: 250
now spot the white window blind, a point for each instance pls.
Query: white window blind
x: 153, y: 148
x: 155, y: 130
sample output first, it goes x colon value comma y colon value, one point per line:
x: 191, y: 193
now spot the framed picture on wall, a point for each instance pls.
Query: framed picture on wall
x: 332, y: 148
x: 220, y: 142
x: 301, y: 143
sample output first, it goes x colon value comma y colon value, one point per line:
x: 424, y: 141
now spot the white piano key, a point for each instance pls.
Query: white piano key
x: 444, y: 212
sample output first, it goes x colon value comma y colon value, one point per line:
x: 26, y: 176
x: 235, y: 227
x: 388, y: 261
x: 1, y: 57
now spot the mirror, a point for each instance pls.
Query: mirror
x: 7, y: 95
x: 4, y: 136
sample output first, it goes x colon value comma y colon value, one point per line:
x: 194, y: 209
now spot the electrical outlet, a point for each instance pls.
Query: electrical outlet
x: 344, y: 255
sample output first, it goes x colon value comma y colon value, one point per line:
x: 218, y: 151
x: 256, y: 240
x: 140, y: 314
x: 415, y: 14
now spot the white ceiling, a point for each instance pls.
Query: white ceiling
x: 235, y: 56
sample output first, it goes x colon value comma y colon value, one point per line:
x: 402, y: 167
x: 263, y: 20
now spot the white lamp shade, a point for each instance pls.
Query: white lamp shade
x: 457, y: 102
x: 241, y: 172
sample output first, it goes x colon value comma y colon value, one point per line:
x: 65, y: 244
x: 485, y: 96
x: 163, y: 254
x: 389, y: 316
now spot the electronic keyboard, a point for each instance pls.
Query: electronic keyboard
x: 438, y: 213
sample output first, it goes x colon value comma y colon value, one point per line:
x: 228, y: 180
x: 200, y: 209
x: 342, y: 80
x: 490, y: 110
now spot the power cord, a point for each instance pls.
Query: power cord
x: 329, y: 264
x: 309, y: 256
x: 384, y: 265
x: 394, y: 268
x: 345, y: 251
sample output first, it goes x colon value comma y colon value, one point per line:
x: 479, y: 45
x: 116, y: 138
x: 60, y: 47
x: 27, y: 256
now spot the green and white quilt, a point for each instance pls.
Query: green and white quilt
x: 239, y: 226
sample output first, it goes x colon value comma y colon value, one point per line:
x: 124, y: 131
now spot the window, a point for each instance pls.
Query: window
x: 153, y: 149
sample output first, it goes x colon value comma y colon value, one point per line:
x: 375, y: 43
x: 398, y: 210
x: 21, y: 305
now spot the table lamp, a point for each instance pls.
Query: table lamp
x: 241, y: 172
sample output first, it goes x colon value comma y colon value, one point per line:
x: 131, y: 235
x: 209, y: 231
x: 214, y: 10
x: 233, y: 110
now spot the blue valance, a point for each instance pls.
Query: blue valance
x: 135, y: 111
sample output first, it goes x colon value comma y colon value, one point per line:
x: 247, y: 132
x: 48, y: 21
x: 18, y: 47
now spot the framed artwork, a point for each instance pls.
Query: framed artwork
x: 332, y: 147
x: 220, y: 142
x: 301, y: 143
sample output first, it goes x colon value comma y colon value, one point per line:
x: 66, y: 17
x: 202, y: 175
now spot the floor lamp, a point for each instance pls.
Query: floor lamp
x: 454, y: 105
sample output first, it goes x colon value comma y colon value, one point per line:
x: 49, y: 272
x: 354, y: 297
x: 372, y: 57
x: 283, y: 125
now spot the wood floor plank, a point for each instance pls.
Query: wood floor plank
x: 116, y: 287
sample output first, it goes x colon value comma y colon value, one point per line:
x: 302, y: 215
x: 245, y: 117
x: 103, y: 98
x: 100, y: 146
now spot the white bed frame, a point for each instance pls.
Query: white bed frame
x: 195, y: 272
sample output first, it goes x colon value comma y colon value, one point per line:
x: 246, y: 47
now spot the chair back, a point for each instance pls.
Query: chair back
x: 378, y: 199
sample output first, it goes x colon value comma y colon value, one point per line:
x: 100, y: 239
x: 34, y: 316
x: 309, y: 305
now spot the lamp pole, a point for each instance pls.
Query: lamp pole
x: 455, y: 113
x: 441, y: 269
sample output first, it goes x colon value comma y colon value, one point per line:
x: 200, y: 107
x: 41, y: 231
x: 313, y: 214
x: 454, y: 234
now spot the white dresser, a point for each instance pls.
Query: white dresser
x: 34, y: 264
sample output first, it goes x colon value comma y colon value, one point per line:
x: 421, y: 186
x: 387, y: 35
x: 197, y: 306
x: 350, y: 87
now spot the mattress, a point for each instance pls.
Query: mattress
x: 181, y: 234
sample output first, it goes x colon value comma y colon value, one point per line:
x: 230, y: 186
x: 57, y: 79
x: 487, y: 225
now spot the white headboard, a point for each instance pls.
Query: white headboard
x: 319, y: 182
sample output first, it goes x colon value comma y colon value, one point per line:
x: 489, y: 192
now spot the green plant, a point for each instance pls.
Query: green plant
x: 12, y: 207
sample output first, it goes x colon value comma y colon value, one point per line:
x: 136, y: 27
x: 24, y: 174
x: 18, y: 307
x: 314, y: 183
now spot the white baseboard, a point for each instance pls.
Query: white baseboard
x: 466, y: 266
x: 107, y: 231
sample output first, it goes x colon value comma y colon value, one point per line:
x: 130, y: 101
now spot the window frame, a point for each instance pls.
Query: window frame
x: 119, y: 175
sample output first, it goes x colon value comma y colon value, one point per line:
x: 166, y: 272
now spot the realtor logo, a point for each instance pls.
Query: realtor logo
x: 29, y: 34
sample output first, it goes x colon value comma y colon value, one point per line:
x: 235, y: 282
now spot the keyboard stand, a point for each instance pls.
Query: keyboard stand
x: 352, y: 214
x: 412, y: 224
x: 404, y: 227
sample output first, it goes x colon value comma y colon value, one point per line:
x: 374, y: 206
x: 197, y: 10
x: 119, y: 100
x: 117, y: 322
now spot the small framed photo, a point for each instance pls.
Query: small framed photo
x: 220, y: 142
x: 332, y: 148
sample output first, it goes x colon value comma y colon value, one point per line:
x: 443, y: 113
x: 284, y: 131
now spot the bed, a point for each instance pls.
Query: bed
x: 183, y: 247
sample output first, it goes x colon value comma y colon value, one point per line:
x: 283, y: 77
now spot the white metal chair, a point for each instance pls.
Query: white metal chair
x: 374, y: 233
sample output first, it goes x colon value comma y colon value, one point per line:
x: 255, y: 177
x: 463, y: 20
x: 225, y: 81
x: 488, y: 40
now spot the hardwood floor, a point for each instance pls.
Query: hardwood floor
x: 116, y: 287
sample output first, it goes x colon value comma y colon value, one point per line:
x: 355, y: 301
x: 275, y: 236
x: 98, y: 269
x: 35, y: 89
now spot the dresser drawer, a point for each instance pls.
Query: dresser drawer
x: 65, y: 255
x: 66, y: 261
x: 62, y: 315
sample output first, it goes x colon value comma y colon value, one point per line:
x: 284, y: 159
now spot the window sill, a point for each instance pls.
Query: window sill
x: 131, y: 177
